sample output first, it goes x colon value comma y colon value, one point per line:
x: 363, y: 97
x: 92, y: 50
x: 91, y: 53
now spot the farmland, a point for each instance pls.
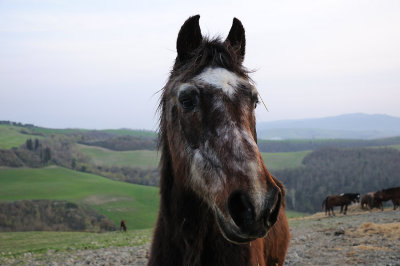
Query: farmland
x: 117, y: 200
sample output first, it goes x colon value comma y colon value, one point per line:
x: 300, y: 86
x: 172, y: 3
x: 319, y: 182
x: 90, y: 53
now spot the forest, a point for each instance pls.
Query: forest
x: 334, y: 171
x: 51, y: 215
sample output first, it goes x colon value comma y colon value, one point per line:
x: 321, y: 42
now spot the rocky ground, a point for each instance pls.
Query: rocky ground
x: 359, y: 238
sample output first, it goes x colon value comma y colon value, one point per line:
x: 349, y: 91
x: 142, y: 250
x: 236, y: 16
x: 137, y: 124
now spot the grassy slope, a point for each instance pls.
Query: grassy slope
x: 117, y: 200
x: 17, y: 243
x: 282, y: 160
x: 131, y: 132
x: 10, y: 136
x: 138, y: 158
x: 145, y: 158
x: 118, y: 132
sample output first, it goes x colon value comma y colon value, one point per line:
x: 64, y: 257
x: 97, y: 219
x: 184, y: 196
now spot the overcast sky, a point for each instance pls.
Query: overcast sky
x: 99, y: 64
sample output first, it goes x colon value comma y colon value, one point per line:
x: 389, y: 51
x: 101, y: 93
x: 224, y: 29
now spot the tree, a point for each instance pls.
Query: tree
x: 29, y: 144
x: 36, y: 144
x: 46, y: 155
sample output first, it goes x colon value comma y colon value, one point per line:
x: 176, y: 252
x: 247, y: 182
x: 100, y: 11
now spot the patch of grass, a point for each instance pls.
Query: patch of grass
x: 11, y: 136
x: 131, y: 132
x: 105, y: 157
x: 395, y: 146
x: 389, y: 230
x: 60, y: 131
x: 137, y: 204
x: 295, y: 214
x: 150, y: 159
x: 283, y: 160
x: 15, y: 244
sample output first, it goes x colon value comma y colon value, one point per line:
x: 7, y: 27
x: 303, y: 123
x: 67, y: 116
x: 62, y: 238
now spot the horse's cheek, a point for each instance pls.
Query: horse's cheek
x: 191, y: 127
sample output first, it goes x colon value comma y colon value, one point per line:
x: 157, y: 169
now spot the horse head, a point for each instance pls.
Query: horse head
x: 208, y: 133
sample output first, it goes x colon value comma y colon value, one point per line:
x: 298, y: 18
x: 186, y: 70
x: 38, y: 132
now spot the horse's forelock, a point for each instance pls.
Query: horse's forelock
x: 211, y: 53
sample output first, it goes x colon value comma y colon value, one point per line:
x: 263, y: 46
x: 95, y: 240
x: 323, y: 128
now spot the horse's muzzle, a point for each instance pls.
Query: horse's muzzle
x: 247, y: 224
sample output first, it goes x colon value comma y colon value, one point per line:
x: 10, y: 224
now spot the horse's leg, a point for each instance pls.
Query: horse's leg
x: 345, y: 209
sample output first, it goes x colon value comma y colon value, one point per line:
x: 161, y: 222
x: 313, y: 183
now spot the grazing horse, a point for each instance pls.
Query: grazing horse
x: 219, y: 204
x: 122, y: 226
x: 342, y: 200
x: 396, y: 203
x: 392, y: 194
x: 368, y: 200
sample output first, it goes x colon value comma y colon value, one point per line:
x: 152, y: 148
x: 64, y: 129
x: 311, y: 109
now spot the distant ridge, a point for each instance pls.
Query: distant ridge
x: 348, y: 126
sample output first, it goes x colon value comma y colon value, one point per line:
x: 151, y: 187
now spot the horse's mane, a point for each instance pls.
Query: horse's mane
x: 211, y: 53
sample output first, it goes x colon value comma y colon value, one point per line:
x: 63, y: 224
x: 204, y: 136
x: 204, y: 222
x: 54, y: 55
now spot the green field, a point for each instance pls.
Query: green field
x: 15, y: 244
x: 130, y: 132
x: 282, y: 160
x: 138, y: 205
x: 11, y: 136
x: 147, y: 159
x: 138, y: 158
x: 295, y: 214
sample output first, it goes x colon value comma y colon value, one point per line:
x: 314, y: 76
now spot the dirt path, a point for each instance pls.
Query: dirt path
x: 359, y: 238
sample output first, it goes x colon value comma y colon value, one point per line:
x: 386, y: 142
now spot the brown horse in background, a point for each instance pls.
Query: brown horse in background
x: 368, y: 200
x: 392, y: 194
x: 219, y: 204
x: 342, y: 200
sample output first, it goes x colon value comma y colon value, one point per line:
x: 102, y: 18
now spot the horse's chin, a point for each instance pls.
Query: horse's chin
x: 231, y: 232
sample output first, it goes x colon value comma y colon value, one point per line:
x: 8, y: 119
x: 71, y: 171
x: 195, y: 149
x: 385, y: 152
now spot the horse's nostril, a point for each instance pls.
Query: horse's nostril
x: 271, y: 215
x: 241, y: 209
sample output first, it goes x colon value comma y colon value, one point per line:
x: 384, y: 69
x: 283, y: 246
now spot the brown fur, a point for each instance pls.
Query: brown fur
x: 187, y: 231
x: 342, y: 200
x: 368, y: 200
x: 392, y: 194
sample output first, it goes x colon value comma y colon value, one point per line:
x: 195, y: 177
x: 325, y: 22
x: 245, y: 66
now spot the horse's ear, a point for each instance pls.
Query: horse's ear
x: 189, y: 38
x: 236, y: 38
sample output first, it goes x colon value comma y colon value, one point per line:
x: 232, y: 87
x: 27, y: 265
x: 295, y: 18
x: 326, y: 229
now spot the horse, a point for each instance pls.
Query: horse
x: 342, y: 200
x: 396, y: 203
x: 368, y: 200
x: 122, y: 226
x: 392, y: 194
x: 219, y: 205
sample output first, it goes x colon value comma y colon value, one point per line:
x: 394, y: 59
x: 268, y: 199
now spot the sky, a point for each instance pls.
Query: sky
x: 101, y: 64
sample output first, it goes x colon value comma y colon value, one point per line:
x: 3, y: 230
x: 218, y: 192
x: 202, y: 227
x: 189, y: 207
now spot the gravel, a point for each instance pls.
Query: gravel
x: 346, y: 240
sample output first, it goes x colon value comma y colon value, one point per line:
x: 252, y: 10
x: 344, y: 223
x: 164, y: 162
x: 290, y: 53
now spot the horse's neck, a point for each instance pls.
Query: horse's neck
x: 187, y: 233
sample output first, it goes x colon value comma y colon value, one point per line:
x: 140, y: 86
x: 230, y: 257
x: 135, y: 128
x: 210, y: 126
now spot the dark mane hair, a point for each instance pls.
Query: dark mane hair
x: 211, y: 53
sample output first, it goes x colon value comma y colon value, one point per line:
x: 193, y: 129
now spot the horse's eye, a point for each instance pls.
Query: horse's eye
x: 189, y: 101
x: 255, y: 101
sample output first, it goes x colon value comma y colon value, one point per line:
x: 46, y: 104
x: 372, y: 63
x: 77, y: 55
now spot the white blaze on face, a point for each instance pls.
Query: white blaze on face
x: 220, y: 78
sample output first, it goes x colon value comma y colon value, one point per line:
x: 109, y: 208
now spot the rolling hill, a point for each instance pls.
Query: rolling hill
x: 117, y: 200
